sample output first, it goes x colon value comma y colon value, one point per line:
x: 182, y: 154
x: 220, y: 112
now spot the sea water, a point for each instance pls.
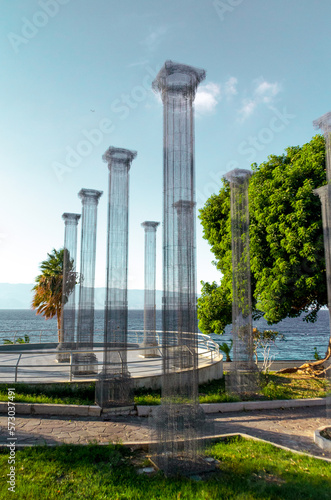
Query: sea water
x: 299, y: 343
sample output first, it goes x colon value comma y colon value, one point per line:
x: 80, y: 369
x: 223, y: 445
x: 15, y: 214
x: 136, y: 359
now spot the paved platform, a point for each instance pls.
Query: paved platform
x: 292, y: 427
x: 40, y: 366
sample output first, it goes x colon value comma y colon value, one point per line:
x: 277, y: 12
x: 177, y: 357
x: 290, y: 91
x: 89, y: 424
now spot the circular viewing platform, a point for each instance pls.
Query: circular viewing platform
x: 36, y: 363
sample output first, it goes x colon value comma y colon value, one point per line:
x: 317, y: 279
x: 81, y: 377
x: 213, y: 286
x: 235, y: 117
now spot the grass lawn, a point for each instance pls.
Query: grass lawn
x: 73, y: 394
x: 274, y: 386
x: 246, y: 470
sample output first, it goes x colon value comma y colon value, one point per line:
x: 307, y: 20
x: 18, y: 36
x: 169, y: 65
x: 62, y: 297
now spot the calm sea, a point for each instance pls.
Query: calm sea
x: 299, y: 343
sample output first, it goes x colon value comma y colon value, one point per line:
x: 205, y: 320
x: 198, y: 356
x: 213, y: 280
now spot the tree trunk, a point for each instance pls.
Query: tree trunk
x: 315, y: 367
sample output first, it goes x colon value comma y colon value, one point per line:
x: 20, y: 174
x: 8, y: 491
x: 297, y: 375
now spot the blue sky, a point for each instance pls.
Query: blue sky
x: 76, y: 78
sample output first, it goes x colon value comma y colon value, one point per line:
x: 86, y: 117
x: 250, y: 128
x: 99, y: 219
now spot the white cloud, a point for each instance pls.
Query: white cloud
x: 155, y: 37
x: 264, y: 93
x: 207, y: 98
x: 267, y: 91
x: 230, y: 87
x: 142, y: 62
x: 248, y: 107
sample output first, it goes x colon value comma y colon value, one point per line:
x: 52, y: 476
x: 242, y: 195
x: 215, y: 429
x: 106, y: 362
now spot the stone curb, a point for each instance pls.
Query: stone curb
x: 50, y: 410
x: 322, y: 442
x: 145, y: 411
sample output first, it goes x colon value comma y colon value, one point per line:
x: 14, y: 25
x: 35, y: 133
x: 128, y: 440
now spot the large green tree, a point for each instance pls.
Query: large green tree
x: 47, y: 298
x: 286, y: 240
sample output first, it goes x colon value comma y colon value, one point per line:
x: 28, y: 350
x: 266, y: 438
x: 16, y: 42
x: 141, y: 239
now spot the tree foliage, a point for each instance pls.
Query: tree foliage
x: 47, y: 299
x: 286, y: 240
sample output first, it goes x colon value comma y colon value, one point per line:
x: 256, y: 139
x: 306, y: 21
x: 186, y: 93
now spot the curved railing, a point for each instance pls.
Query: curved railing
x: 50, y: 336
x: 208, y: 353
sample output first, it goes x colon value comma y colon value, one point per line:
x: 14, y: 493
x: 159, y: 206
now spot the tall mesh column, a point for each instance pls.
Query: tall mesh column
x: 324, y: 123
x: 179, y: 417
x: 68, y: 315
x: 324, y: 192
x: 150, y: 340
x: 114, y: 385
x: 243, y: 376
x: 85, y: 362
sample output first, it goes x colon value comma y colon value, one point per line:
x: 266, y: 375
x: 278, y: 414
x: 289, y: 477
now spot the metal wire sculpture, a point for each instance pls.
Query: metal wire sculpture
x: 114, y: 387
x: 68, y: 312
x: 243, y: 377
x: 150, y: 341
x: 86, y: 362
x: 324, y: 193
x: 324, y: 123
x: 179, y: 419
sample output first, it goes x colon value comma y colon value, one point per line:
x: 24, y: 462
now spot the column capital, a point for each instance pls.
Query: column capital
x: 90, y: 196
x: 238, y: 175
x: 71, y: 219
x: 119, y: 156
x: 150, y: 225
x: 178, y: 77
x: 323, y: 191
x: 323, y: 123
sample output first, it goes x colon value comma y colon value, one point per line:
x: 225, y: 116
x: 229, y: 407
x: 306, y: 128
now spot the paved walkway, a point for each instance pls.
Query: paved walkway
x: 293, y: 428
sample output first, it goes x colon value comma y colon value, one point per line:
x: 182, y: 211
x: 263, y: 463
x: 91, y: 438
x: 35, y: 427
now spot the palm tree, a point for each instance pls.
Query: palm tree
x: 47, y: 298
x: 226, y: 348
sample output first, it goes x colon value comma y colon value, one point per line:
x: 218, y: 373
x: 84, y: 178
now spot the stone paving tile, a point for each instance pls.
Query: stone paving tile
x: 292, y: 428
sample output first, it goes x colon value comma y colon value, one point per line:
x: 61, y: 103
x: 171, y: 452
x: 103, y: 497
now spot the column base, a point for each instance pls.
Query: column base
x: 177, y: 446
x: 114, y: 390
x: 63, y: 357
x: 85, y: 364
x: 243, y: 382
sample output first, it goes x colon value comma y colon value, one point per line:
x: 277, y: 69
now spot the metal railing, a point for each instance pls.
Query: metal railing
x: 51, y: 336
x: 208, y: 353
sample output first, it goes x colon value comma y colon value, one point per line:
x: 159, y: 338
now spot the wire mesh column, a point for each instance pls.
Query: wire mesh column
x: 324, y: 123
x: 85, y: 363
x: 114, y: 387
x: 150, y: 340
x: 68, y: 314
x: 324, y: 193
x: 243, y: 377
x: 178, y: 421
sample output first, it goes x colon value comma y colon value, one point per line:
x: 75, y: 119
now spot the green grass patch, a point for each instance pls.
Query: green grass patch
x: 215, y: 392
x: 273, y: 386
x: 294, y: 386
x: 247, y: 470
x: 147, y: 397
x: 65, y: 393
